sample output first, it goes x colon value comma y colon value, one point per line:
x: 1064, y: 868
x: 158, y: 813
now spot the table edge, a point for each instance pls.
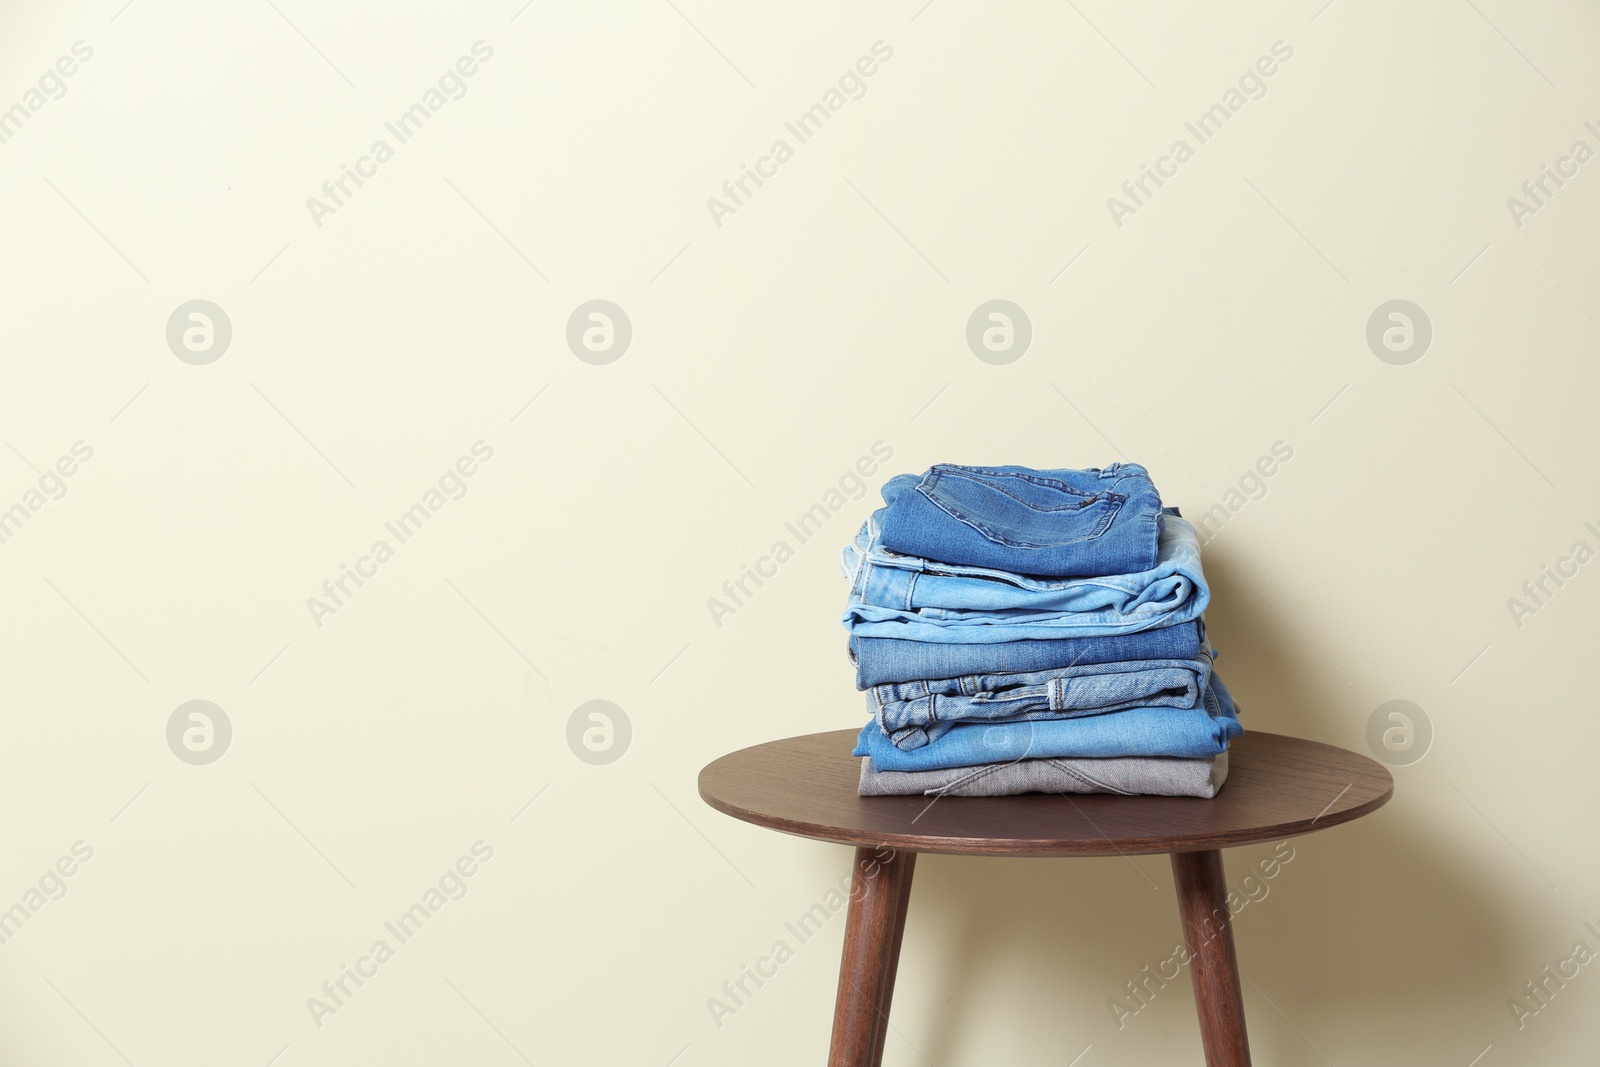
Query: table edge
x: 989, y: 846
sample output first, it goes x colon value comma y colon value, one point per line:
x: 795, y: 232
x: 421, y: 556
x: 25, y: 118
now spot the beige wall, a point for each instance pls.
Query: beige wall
x: 377, y: 339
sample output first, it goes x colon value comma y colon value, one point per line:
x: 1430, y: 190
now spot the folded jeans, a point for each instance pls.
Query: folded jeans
x: 911, y: 598
x: 914, y: 714
x: 1060, y: 523
x: 1130, y: 776
x: 1195, y: 733
x: 886, y: 661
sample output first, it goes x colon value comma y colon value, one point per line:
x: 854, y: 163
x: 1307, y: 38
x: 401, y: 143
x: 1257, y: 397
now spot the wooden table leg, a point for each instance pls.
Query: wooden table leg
x: 880, y: 890
x: 1213, y: 967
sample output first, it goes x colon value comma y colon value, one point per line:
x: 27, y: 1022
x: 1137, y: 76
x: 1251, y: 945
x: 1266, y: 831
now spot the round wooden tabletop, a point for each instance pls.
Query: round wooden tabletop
x: 1277, y: 787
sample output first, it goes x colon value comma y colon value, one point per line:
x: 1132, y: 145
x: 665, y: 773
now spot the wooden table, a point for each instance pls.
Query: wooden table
x: 1277, y: 787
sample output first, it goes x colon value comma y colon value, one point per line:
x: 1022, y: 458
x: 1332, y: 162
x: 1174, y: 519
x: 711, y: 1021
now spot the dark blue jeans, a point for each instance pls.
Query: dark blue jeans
x: 886, y: 661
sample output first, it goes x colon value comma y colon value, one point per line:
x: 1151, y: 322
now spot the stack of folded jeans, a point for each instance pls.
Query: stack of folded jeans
x: 1019, y: 631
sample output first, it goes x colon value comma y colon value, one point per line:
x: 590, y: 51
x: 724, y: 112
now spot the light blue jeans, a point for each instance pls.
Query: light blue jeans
x: 915, y: 714
x: 1194, y: 733
x: 911, y: 598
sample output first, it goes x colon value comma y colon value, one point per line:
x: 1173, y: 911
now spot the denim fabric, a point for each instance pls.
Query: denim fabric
x: 915, y: 599
x: 1194, y: 733
x: 914, y: 714
x: 1133, y: 776
x: 1057, y: 523
x: 885, y: 661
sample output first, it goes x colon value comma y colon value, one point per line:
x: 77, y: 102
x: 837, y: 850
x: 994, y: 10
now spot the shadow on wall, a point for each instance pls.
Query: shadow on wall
x: 1362, y: 939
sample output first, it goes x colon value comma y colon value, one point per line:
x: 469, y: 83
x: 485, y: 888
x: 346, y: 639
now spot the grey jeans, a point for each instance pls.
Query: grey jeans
x: 1129, y: 776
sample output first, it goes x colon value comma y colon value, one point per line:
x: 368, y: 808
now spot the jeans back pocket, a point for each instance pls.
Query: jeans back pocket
x: 1021, y: 510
